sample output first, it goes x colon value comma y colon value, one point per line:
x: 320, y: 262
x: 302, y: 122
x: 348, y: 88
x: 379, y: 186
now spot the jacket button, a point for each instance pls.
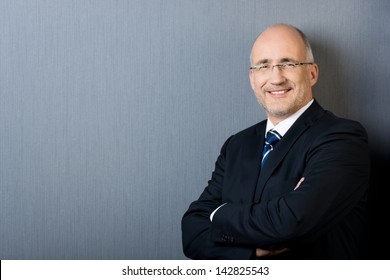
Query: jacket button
x: 226, y: 238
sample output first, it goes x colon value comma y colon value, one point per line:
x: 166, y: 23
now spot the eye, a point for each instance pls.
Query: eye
x: 263, y: 67
x: 287, y: 65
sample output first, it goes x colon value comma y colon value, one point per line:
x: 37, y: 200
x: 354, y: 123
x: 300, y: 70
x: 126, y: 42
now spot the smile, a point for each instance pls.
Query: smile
x: 278, y: 92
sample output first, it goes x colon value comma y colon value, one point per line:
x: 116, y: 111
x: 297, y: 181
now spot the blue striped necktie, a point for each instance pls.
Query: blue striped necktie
x: 271, y: 140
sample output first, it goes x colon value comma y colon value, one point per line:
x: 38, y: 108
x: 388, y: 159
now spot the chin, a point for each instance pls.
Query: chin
x: 278, y: 111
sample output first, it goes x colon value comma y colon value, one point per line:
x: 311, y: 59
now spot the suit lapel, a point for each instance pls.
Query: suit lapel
x: 250, y: 167
x: 288, y: 140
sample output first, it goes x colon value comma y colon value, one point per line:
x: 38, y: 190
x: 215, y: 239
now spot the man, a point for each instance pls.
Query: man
x: 301, y: 197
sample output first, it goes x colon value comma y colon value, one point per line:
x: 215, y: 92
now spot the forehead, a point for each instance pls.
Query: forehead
x: 278, y: 43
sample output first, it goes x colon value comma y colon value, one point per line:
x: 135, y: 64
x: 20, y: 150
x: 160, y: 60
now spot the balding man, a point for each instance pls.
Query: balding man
x: 293, y: 186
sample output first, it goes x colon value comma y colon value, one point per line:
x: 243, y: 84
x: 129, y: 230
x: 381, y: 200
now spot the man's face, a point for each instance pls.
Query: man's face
x: 281, y: 92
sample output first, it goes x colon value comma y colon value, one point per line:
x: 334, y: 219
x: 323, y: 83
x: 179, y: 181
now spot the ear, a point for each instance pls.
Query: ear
x: 314, y: 71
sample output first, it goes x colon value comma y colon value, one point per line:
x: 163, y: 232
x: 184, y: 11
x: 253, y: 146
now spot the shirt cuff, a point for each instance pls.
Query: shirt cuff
x: 212, y: 214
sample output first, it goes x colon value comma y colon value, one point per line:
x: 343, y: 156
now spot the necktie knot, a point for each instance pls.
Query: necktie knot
x: 271, y: 140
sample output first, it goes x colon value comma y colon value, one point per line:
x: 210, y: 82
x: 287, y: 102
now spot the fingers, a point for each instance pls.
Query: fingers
x: 266, y: 253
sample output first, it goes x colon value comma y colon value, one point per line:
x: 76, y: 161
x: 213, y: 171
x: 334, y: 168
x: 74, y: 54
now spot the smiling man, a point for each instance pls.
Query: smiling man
x: 283, y: 71
x: 293, y: 186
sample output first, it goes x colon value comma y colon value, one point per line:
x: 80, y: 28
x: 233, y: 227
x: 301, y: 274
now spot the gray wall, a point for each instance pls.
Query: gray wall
x: 112, y: 112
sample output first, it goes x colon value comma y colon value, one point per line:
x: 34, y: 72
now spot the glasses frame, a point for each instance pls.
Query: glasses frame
x: 267, y: 68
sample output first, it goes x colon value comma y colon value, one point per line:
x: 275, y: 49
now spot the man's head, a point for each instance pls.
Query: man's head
x: 282, y: 90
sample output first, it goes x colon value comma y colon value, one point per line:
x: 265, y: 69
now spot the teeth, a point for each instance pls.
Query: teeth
x: 278, y: 92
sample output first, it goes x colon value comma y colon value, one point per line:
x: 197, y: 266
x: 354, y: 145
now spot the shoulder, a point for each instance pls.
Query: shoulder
x: 250, y: 132
x: 246, y: 136
x: 323, y: 121
x: 334, y: 134
x: 331, y: 123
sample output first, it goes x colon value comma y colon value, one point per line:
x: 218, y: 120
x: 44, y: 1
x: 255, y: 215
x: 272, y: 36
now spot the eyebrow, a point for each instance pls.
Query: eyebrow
x: 284, y: 59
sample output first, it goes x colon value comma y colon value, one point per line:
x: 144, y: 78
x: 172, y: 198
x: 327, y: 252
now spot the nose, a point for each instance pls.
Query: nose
x: 276, y: 76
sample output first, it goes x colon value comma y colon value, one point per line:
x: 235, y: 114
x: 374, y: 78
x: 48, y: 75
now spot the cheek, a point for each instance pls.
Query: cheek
x: 260, y: 97
x: 257, y: 90
x: 305, y: 81
x: 257, y: 86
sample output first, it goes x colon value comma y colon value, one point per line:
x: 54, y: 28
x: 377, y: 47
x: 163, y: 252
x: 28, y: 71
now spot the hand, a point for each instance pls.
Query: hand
x: 267, y: 253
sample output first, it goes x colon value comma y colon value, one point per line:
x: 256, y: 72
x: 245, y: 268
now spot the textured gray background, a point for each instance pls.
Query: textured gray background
x: 113, y: 112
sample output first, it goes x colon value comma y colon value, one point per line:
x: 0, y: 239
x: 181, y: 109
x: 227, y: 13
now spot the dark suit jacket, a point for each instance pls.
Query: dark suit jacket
x: 324, y: 218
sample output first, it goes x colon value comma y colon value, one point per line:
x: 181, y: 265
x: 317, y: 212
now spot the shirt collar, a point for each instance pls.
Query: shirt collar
x: 285, y: 125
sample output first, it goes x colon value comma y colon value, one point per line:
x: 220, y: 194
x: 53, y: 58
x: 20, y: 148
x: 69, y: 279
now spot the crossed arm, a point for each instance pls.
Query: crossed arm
x: 267, y: 228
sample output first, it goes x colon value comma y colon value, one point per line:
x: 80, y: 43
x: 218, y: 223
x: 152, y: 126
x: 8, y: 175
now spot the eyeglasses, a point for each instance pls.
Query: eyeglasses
x: 285, y: 66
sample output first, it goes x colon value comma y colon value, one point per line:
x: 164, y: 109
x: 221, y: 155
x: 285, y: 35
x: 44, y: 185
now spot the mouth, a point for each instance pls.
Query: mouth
x: 279, y: 92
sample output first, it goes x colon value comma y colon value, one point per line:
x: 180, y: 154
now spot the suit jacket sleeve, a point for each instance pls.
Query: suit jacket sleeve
x: 196, y: 224
x: 336, y: 178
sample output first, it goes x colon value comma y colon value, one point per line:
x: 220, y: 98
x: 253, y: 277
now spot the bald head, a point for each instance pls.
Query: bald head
x: 282, y: 33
